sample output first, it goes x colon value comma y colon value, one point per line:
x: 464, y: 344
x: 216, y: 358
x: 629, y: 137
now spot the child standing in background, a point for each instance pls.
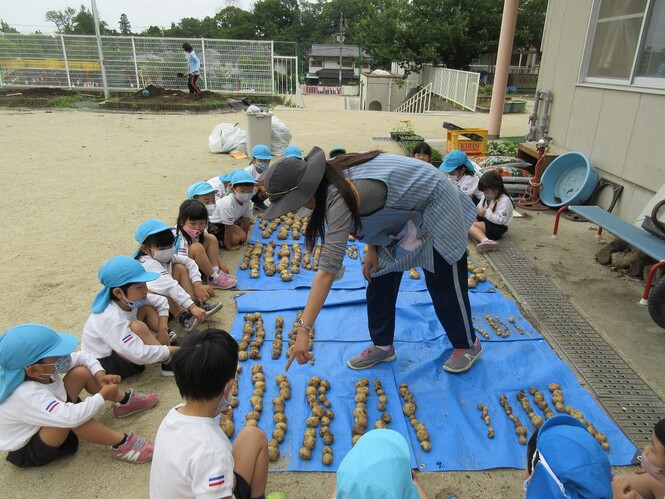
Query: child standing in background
x: 192, y: 240
x: 461, y: 172
x: 41, y: 414
x: 235, y: 211
x: 261, y: 158
x: 180, y: 279
x: 119, y: 332
x: 495, y: 213
x: 422, y: 151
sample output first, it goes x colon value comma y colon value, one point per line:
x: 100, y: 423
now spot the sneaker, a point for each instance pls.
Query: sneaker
x: 187, y: 321
x: 486, y: 246
x: 463, y: 358
x: 134, y: 450
x: 172, y: 336
x: 212, y: 308
x: 137, y: 402
x: 167, y: 370
x: 223, y: 281
x: 372, y: 355
x: 260, y: 205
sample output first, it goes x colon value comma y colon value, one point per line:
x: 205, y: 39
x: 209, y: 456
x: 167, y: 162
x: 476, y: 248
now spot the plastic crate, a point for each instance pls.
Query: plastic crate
x: 473, y: 141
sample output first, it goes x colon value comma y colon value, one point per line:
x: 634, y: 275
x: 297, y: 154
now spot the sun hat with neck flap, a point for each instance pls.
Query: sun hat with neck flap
x: 291, y: 182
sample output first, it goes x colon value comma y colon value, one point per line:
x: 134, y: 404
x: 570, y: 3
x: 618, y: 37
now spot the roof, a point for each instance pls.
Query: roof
x: 333, y: 51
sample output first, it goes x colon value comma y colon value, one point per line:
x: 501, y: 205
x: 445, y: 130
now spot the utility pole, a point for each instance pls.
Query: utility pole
x: 340, y: 38
x: 95, y: 17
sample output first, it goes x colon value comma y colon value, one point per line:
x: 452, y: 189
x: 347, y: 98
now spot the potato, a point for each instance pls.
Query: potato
x: 278, y: 435
x: 305, y: 453
x: 279, y: 417
x: 242, y: 355
x: 328, y: 438
x: 251, y: 422
x: 329, y: 414
x: 327, y: 459
x: 325, y: 421
x: 380, y: 424
x: 361, y: 398
x: 273, y: 454
x: 228, y: 427
x: 422, y: 435
x: 426, y: 446
x: 409, y: 408
x: 355, y: 439
x: 309, y: 442
x: 312, y: 421
x: 318, y: 411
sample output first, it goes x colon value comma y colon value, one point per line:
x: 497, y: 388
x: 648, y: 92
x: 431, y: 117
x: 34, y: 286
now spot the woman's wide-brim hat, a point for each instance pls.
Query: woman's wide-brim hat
x: 291, y: 182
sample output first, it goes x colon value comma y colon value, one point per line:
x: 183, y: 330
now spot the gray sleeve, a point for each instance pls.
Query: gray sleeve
x: 373, y: 196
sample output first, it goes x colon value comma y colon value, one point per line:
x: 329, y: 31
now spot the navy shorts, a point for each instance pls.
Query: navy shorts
x: 37, y: 453
x: 242, y: 490
x: 114, y: 364
x: 493, y: 231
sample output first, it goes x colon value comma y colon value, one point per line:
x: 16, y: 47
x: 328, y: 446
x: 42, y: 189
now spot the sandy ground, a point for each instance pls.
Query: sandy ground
x: 76, y: 185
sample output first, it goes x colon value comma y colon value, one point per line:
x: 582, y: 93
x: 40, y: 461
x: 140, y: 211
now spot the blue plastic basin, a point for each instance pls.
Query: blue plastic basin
x: 568, y: 180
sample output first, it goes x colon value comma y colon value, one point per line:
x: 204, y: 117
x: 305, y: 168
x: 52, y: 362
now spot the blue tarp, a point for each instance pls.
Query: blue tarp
x: 446, y: 403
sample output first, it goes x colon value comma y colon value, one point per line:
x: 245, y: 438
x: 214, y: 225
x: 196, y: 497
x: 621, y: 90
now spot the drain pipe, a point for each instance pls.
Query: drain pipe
x: 533, y: 119
x: 545, y: 117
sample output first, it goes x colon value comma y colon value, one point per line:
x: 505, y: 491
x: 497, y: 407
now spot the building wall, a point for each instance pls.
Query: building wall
x: 621, y: 131
x: 383, y: 90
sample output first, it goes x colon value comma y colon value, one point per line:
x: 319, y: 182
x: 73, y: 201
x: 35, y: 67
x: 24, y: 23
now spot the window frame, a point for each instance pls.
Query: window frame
x: 633, y: 81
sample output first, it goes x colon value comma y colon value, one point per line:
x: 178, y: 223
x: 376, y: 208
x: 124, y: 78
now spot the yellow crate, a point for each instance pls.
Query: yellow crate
x: 454, y: 140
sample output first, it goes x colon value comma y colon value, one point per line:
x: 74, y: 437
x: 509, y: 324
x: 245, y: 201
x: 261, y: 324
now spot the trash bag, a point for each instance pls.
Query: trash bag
x: 227, y: 137
x: 280, y: 136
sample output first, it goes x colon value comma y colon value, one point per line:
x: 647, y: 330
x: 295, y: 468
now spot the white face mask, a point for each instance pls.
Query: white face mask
x: 244, y: 197
x: 224, y: 403
x: 651, y: 469
x: 210, y: 208
x: 164, y: 256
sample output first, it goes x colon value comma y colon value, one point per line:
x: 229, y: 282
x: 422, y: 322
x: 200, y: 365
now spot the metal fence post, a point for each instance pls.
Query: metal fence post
x: 272, y: 65
x: 136, y: 65
x: 64, y: 55
x: 205, y: 66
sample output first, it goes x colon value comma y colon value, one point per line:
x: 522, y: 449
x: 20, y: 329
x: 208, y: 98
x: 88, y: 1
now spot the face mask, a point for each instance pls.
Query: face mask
x: 163, y: 256
x: 133, y: 305
x: 244, y: 197
x: 194, y: 233
x: 656, y: 473
x: 62, y: 365
x: 224, y: 403
x: 210, y: 208
x: 261, y: 167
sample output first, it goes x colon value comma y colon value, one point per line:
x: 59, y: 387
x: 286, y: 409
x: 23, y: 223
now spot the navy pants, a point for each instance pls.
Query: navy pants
x: 447, y: 286
x: 191, y: 83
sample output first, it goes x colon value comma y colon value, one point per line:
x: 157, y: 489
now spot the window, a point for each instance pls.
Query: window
x: 317, y: 63
x: 626, y: 43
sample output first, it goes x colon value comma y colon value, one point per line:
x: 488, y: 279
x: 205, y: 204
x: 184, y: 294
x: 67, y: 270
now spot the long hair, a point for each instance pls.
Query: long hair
x: 333, y: 176
x: 492, y: 180
x: 190, y: 209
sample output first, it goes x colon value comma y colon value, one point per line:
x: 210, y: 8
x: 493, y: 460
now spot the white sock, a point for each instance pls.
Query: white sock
x: 485, y: 240
x: 385, y: 349
x: 215, y: 270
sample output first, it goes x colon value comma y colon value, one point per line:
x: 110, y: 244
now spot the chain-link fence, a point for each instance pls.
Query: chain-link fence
x: 243, y: 66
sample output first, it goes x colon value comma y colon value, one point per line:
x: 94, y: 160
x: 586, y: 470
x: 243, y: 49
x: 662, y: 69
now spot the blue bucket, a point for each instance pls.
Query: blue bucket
x: 568, y: 180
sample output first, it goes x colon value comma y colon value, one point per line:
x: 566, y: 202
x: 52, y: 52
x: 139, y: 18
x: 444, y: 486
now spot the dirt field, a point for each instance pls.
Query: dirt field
x: 76, y: 185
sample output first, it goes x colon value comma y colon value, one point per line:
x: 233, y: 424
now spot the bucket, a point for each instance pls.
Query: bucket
x: 568, y: 180
x: 258, y: 129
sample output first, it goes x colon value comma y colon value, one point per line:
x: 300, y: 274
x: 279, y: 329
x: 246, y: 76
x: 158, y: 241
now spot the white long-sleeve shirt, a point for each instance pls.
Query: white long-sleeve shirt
x: 499, y: 212
x: 35, y: 405
x: 166, y: 285
x: 109, y: 331
x: 468, y: 184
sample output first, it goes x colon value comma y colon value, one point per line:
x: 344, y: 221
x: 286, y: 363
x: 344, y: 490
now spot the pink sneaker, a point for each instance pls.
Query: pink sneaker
x: 486, y: 246
x: 135, y: 450
x: 137, y: 402
x: 223, y: 281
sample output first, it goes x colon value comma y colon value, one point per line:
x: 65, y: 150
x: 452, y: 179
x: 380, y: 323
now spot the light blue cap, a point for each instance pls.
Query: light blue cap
x: 377, y: 467
x: 337, y: 149
x: 242, y: 177
x: 148, y: 228
x: 571, y: 463
x: 261, y: 151
x: 226, y: 177
x: 293, y: 152
x: 118, y: 271
x: 199, y: 189
x: 24, y: 345
x: 455, y: 159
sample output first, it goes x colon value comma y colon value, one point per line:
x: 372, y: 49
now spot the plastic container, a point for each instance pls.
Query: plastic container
x: 258, y: 129
x: 456, y: 140
x: 568, y: 180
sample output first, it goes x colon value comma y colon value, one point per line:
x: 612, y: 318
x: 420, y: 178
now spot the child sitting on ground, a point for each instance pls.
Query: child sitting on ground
x: 649, y: 483
x: 461, y: 172
x: 41, y: 414
x: 422, y: 151
x: 261, y: 158
x: 119, y: 332
x: 336, y: 151
x: 180, y: 279
x: 220, y: 186
x: 565, y: 461
x: 193, y: 457
x: 293, y: 152
x: 378, y: 467
x: 192, y: 240
x: 235, y: 211
x: 495, y: 213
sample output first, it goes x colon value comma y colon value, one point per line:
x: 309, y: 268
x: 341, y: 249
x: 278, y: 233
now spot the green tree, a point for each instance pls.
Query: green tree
x: 277, y: 20
x: 235, y: 23
x: 155, y: 31
x: 530, y: 24
x: 63, y: 19
x: 124, y: 25
x: 6, y: 28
